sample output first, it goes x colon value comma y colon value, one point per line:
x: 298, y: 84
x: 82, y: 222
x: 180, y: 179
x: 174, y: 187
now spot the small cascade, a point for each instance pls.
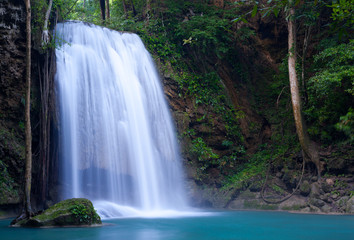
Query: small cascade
x: 118, y: 143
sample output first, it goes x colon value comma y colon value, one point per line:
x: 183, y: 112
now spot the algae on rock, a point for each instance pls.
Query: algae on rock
x: 75, y: 211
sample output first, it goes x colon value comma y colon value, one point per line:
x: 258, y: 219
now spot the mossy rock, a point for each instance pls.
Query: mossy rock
x: 70, y: 212
x: 305, y: 188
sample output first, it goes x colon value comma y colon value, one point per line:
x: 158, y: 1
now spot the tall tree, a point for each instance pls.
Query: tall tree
x: 103, y: 9
x: 28, y: 171
x: 310, y: 149
x: 108, y: 14
x: 129, y: 7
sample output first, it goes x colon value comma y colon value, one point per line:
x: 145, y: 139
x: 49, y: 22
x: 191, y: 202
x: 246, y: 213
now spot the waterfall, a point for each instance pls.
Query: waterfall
x: 118, y: 143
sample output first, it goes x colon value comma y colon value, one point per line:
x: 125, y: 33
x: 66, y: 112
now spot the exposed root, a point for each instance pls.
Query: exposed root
x: 289, y: 195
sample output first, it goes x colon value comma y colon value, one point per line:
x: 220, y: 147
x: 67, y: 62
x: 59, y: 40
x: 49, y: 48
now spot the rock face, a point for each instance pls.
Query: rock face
x: 328, y: 195
x: 12, y: 85
x: 305, y: 188
x: 350, y: 205
x: 75, y: 211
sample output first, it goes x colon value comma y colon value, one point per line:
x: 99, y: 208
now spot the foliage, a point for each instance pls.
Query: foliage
x: 203, y: 153
x: 84, y: 215
x: 203, y: 87
x: 8, y: 186
x: 331, y: 92
x: 346, y: 124
x: 231, y: 160
x: 206, y: 32
x: 256, y: 165
x: 343, y: 16
x: 89, y: 13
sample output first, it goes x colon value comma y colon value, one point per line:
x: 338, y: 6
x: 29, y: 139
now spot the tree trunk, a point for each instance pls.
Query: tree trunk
x: 129, y: 7
x: 219, y: 3
x: 28, y: 171
x: 148, y: 8
x: 310, y: 149
x: 304, y: 52
x: 103, y: 9
x: 108, y: 15
x: 84, y: 8
x: 125, y: 7
x: 133, y: 8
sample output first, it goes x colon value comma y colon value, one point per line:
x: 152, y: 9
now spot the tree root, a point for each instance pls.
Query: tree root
x: 289, y: 195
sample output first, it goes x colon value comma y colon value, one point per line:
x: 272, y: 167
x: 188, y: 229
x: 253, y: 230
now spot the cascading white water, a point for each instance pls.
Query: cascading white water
x: 118, y: 144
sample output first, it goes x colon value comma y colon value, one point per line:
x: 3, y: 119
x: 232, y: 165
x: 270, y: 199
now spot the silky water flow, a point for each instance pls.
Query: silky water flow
x: 118, y: 143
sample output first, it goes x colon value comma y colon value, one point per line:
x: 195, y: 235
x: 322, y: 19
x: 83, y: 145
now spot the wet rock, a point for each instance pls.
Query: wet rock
x: 317, y: 202
x: 326, y: 208
x: 306, y: 210
x: 75, y: 211
x: 295, y: 203
x: 330, y: 181
x: 342, y: 192
x: 248, y: 195
x: 315, y: 190
x: 314, y: 179
x: 314, y: 209
x: 326, y: 198
x: 350, y: 205
x: 335, y: 196
x: 256, y: 186
x: 236, y: 204
x: 326, y: 187
x: 342, y: 202
x: 305, y: 188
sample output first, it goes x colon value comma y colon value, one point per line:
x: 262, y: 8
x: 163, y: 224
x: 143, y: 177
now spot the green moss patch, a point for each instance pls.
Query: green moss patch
x: 75, y: 211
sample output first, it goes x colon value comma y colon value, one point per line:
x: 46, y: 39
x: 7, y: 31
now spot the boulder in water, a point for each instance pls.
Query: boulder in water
x: 70, y: 212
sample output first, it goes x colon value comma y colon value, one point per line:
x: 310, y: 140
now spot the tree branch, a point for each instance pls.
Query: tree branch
x: 45, y: 33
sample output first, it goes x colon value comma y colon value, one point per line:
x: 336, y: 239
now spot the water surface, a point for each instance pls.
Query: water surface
x: 218, y: 225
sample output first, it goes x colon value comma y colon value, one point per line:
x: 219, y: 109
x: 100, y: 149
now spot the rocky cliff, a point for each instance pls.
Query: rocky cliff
x: 12, y: 86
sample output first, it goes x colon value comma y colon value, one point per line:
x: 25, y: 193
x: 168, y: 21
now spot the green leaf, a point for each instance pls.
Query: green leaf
x: 276, y: 12
x: 244, y: 20
x: 236, y: 19
x: 266, y: 13
x: 254, y: 11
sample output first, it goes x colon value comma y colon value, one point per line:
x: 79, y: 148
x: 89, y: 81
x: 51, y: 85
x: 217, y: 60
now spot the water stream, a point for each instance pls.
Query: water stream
x: 118, y: 144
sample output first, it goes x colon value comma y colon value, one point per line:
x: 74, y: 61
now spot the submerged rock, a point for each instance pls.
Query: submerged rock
x: 75, y: 211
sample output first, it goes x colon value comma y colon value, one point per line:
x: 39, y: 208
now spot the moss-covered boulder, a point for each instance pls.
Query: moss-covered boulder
x: 75, y: 211
x: 305, y: 188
